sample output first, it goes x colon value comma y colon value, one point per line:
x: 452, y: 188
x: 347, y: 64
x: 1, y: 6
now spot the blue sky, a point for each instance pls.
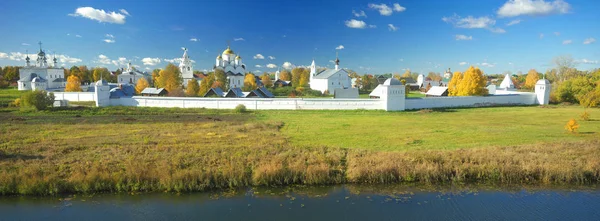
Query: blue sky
x: 377, y: 36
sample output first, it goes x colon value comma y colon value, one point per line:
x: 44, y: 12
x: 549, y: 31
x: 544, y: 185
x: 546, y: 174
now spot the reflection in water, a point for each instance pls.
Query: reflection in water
x: 348, y: 202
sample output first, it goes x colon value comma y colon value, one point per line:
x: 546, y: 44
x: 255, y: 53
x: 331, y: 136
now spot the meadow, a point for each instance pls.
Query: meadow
x: 129, y: 149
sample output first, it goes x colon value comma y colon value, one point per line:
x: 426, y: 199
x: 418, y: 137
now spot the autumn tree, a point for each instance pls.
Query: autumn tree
x: 141, y: 84
x: 206, y: 84
x: 285, y: 75
x: 220, y: 80
x: 155, y: 75
x: 73, y: 84
x: 296, y: 74
x: 100, y: 73
x: 249, y: 82
x: 192, y: 88
x: 472, y: 83
x: 452, y: 85
x: 406, y: 74
x: 170, y: 78
x: 266, y: 80
x: 532, y: 78
x: 303, y: 82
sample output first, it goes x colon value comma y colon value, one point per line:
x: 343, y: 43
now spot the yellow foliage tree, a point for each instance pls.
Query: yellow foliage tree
x: 532, y: 78
x: 572, y: 126
x: 141, y: 84
x: 192, y: 88
x: 456, y: 77
x: 472, y: 83
x: 73, y: 84
x: 249, y: 82
x: 285, y: 75
x: 169, y: 79
x: 406, y: 74
x: 266, y: 80
x: 304, y: 78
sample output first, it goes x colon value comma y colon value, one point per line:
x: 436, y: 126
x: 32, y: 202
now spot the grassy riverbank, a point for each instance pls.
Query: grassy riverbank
x: 119, y: 149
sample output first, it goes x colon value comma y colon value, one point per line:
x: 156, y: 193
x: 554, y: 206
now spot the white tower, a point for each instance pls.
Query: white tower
x: 313, y: 69
x: 101, y: 93
x: 337, y: 62
x: 420, y: 79
x: 542, y: 91
x: 393, y: 96
x: 185, y: 66
x: 277, y: 74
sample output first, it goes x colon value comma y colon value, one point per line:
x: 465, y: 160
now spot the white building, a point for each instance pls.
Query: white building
x: 329, y: 79
x: 507, y: 83
x: 186, y: 68
x: 232, y: 65
x: 131, y: 76
x: 41, y: 76
x: 448, y: 74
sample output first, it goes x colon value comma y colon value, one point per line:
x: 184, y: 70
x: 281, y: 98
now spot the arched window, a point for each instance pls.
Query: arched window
x: 188, y: 68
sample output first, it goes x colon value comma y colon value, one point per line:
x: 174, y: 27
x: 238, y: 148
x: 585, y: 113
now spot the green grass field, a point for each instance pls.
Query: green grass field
x: 129, y: 149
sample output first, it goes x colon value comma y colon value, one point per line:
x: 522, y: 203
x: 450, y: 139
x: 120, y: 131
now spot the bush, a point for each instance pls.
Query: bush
x: 572, y: 126
x: 585, y: 116
x: 240, y: 108
x: 40, y: 100
x: 15, y: 103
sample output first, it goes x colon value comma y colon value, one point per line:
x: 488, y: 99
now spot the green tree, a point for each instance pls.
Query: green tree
x: 220, y: 80
x: 38, y: 99
x: 11, y: 73
x: 100, y: 73
x: 192, y: 88
x: 75, y: 71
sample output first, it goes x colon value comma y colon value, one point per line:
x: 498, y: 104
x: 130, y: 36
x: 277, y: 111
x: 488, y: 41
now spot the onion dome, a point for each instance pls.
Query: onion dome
x: 238, y: 58
x: 228, y: 51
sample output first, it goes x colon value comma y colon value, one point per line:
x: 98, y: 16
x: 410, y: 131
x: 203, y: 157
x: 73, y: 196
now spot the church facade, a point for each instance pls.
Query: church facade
x: 232, y: 65
x: 329, y: 79
x: 186, y: 68
x: 41, y: 76
x: 131, y: 76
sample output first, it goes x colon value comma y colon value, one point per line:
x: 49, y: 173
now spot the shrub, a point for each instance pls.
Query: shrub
x: 240, y: 108
x: 585, y: 116
x: 40, y: 100
x: 572, y: 126
x: 15, y: 103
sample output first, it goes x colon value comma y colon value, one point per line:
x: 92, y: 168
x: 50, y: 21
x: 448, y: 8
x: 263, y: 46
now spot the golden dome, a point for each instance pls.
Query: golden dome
x: 238, y: 58
x: 228, y: 51
x: 219, y: 57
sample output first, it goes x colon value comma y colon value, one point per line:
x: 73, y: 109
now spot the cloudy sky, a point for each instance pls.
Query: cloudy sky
x: 370, y: 36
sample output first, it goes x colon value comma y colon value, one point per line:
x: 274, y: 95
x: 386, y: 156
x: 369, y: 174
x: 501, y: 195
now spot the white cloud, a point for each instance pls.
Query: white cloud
x: 151, y: 61
x: 109, y: 40
x: 176, y: 60
x: 541, y: 35
x: 557, y: 33
x: 257, y: 71
x: 463, y: 38
x: 259, y: 56
x: 399, y: 8
x: 25, y: 44
x: 473, y: 22
x: 193, y: 39
x: 391, y: 27
x: 287, y: 65
x: 386, y: 10
x: 67, y: 59
x: 589, y: 41
x: 272, y: 57
x: 489, y: 65
x: 78, y: 36
x: 109, y: 36
x: 513, y: 22
x: 401, y: 59
x: 372, y: 26
x: 359, y: 13
x: 513, y: 8
x: 238, y: 39
x: 123, y: 11
x: 3, y: 55
x: 103, y: 59
x: 566, y: 42
x: 100, y: 15
x: 258, y: 66
x: 586, y: 61
x: 353, y: 23
x: 120, y: 62
x: 462, y: 63
x: 273, y: 65
x: 339, y: 47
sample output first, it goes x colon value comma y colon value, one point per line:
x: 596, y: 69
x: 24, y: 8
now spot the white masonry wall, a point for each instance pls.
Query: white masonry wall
x: 493, y: 100
x: 74, y: 96
x: 251, y: 103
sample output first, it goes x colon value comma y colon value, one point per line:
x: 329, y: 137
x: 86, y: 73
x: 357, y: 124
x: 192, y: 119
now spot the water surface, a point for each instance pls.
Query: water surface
x: 317, y: 203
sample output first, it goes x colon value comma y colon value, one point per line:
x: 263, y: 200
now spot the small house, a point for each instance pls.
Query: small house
x: 437, y: 91
x: 154, y: 92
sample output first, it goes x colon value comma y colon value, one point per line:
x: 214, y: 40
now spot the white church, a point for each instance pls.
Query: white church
x: 329, y: 79
x: 131, y: 76
x: 232, y: 65
x: 186, y: 68
x: 41, y: 76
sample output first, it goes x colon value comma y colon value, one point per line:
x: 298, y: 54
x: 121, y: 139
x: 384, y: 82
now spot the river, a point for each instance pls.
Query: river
x: 347, y: 202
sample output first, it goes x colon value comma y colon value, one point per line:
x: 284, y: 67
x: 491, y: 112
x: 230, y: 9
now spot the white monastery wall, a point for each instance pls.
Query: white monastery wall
x: 494, y: 100
x: 251, y: 103
x: 74, y: 96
